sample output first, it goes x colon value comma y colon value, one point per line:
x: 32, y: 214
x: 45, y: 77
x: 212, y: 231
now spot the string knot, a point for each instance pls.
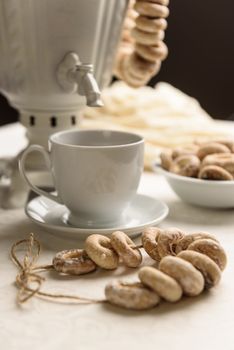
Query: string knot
x: 28, y: 279
x: 28, y: 282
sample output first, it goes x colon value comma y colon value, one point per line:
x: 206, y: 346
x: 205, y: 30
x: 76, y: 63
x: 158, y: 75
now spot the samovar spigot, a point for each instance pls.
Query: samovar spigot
x: 75, y: 76
x: 87, y: 85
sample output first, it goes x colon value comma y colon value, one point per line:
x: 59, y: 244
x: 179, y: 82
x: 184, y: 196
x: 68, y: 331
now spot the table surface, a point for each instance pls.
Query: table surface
x: 206, y: 321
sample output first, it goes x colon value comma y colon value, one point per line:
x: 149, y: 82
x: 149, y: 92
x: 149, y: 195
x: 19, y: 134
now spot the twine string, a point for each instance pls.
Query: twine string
x: 28, y: 280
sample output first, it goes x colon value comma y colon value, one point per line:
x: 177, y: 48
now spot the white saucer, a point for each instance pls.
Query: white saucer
x: 144, y: 211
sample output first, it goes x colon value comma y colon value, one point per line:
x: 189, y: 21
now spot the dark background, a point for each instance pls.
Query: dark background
x: 200, y: 37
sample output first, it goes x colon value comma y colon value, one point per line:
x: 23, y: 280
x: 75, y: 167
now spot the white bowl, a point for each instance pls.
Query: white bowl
x: 204, y: 193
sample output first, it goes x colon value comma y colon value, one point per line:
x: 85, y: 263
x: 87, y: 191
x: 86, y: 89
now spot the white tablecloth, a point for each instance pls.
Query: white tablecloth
x: 205, y: 322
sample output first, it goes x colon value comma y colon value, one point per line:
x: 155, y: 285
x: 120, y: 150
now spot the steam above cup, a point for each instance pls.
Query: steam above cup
x: 96, y: 173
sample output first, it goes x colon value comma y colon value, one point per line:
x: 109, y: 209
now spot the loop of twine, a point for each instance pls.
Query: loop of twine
x: 29, y: 281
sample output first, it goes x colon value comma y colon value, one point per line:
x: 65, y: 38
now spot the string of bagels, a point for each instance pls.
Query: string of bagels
x: 141, y: 48
x: 184, y: 264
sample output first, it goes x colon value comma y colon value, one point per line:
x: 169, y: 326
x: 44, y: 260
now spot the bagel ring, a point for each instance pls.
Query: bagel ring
x: 123, y: 245
x: 149, y: 241
x: 229, y: 143
x: 131, y: 79
x: 211, y: 148
x: 73, y: 262
x: 190, y: 279
x: 190, y: 238
x: 212, y: 249
x: 146, y: 38
x: 152, y: 53
x: 224, y: 160
x: 209, y: 269
x: 131, y: 295
x: 214, y: 172
x: 139, y: 67
x: 150, y: 25
x: 167, y: 241
x: 100, y: 250
x: 187, y: 165
x: 183, y: 151
x: 165, y: 286
x: 166, y: 160
x: 150, y: 9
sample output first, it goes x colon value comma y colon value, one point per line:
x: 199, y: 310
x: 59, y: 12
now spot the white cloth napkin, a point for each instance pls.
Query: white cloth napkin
x: 164, y: 115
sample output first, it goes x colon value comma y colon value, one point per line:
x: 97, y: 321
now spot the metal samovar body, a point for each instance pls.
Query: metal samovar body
x: 55, y: 57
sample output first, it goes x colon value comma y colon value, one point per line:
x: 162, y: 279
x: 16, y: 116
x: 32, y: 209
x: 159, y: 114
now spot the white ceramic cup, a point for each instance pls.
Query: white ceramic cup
x: 96, y: 173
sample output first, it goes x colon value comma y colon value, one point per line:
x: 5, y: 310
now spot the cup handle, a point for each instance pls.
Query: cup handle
x: 37, y: 148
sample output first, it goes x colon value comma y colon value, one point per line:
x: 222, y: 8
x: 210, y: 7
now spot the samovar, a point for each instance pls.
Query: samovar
x: 55, y: 57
